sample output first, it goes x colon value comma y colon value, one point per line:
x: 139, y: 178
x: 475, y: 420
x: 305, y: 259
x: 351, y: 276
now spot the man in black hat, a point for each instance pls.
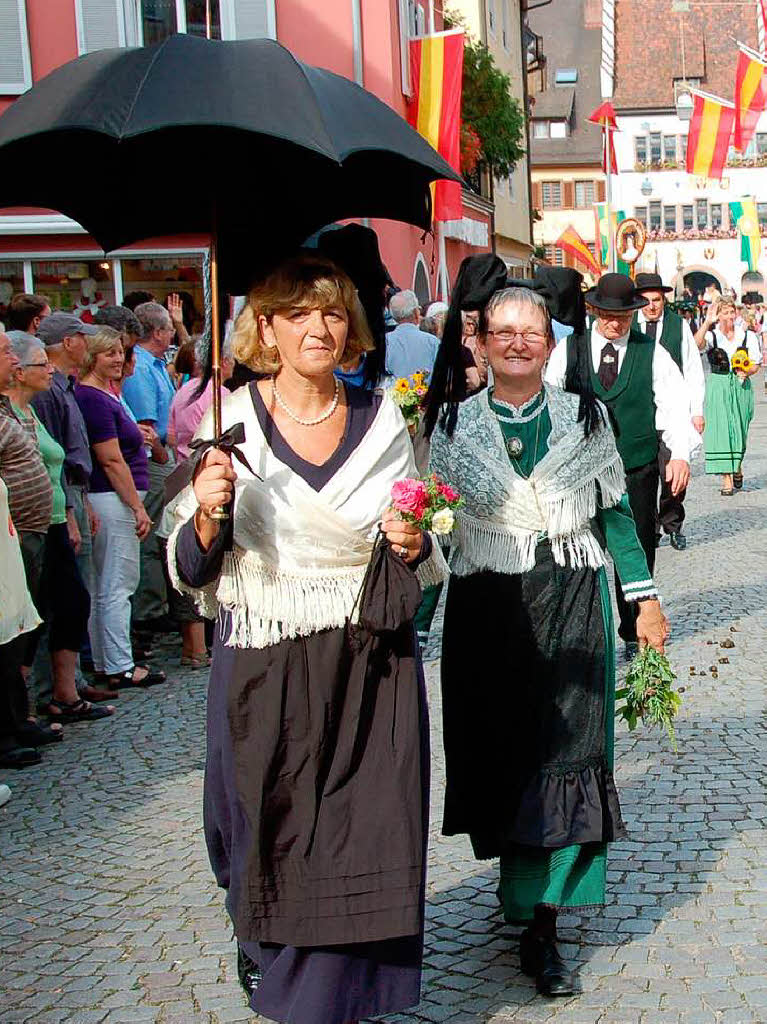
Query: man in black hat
x: 668, y: 329
x: 641, y: 386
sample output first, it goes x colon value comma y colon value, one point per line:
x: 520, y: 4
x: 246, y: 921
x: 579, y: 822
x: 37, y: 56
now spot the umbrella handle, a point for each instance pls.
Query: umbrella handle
x: 219, y: 512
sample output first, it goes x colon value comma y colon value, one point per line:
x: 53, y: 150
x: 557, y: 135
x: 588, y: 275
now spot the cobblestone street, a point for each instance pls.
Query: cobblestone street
x: 109, y: 910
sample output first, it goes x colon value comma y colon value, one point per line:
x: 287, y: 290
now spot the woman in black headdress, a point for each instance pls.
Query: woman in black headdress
x: 528, y: 707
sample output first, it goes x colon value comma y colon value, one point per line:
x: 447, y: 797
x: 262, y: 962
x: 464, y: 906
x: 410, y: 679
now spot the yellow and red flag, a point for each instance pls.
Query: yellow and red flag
x: 750, y: 95
x: 570, y: 241
x: 436, y: 70
x: 710, y: 133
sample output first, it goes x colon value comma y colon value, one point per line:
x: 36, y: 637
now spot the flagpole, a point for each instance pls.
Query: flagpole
x: 611, y: 264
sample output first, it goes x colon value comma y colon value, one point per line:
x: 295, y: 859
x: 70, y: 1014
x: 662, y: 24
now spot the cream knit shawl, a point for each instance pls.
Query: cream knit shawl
x: 299, y: 555
x: 504, y: 515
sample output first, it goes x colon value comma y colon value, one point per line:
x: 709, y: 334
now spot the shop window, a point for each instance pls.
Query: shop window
x: 701, y: 214
x: 584, y: 195
x: 161, y: 275
x: 669, y: 218
x: 551, y: 192
x: 687, y: 218
x: 655, y: 215
x: 81, y: 287
x: 716, y: 215
x: 161, y: 18
x: 11, y: 281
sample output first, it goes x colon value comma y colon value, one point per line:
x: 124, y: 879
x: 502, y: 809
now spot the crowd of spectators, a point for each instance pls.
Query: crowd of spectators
x: 93, y: 418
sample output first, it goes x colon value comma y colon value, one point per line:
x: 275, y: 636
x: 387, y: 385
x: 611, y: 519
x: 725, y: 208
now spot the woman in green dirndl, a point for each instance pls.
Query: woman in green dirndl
x: 734, y: 357
x: 528, y: 699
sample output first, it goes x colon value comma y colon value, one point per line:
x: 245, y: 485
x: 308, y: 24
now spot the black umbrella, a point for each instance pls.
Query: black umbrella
x: 236, y: 139
x: 193, y: 135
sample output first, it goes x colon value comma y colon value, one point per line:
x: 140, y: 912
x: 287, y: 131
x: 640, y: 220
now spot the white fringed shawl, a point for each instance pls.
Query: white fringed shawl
x: 299, y: 555
x: 504, y: 515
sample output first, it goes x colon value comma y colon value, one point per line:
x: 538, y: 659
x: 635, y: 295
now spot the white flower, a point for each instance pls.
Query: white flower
x: 443, y: 521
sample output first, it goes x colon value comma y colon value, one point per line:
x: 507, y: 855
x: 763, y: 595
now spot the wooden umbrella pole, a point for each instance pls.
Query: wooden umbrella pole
x: 219, y: 512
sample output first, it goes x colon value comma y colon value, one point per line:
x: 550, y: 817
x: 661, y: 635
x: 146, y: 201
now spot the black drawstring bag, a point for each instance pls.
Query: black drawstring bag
x: 390, y: 594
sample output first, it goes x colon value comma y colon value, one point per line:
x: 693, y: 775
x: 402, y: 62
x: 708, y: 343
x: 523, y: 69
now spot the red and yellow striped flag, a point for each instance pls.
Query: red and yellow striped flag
x: 750, y: 95
x: 572, y: 242
x: 436, y: 71
x: 710, y: 133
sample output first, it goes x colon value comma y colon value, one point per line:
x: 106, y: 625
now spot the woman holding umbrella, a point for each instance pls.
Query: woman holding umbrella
x: 317, y: 768
x: 528, y: 710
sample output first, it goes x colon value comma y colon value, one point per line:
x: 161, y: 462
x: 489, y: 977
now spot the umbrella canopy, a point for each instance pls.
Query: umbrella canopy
x: 194, y: 135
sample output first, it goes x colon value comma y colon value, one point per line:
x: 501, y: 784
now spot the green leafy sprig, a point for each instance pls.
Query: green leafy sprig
x: 648, y: 693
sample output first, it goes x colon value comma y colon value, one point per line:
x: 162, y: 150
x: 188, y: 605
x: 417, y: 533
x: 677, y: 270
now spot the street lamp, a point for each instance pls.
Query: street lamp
x: 684, y: 106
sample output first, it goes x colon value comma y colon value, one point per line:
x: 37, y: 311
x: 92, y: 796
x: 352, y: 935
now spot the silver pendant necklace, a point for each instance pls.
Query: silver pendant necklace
x: 297, y: 419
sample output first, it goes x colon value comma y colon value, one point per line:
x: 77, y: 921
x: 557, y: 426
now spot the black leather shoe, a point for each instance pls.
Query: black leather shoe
x: 248, y: 971
x: 20, y: 757
x: 539, y: 959
x: 678, y: 541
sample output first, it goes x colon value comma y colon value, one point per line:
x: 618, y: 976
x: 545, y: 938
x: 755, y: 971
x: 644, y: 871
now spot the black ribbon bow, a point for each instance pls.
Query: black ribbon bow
x: 184, y: 473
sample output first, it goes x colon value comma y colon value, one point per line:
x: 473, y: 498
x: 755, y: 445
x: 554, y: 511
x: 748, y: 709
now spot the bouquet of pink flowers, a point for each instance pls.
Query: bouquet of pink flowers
x: 428, y: 504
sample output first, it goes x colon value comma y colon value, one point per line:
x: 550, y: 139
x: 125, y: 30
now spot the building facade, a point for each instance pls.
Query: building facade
x: 500, y: 25
x: 691, y: 238
x: 365, y: 40
x: 565, y: 150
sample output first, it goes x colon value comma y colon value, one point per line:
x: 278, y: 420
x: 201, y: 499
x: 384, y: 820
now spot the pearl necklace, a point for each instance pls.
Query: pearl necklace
x: 297, y: 419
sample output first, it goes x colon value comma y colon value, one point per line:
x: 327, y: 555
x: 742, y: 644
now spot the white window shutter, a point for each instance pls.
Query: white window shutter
x: 100, y: 24
x: 248, y: 19
x: 15, y: 63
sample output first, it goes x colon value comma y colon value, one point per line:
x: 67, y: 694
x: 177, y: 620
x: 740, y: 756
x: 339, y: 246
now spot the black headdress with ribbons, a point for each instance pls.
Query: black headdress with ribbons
x: 478, y: 280
x: 479, y: 277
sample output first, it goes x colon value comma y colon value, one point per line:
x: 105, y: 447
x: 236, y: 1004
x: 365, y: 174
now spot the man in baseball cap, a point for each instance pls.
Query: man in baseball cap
x: 58, y: 326
x: 64, y: 337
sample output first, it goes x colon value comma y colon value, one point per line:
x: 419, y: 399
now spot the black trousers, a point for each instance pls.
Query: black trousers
x: 670, y: 506
x: 642, y: 490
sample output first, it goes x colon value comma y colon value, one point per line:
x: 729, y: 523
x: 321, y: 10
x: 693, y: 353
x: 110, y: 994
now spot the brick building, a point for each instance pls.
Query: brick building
x: 691, y: 238
x: 565, y: 150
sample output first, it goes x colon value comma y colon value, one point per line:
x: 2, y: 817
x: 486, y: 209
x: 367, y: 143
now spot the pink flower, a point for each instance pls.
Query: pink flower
x: 410, y: 496
x: 448, y: 492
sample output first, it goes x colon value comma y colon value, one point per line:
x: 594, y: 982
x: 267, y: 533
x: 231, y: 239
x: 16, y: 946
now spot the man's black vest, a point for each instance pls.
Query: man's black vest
x: 671, y: 335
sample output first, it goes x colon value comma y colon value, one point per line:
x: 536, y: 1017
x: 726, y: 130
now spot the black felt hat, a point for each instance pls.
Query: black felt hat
x: 479, y: 278
x: 650, y: 283
x: 615, y: 293
x: 354, y: 248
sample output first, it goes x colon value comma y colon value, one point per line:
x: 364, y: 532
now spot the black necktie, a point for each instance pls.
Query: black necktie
x: 608, y: 366
x: 651, y: 329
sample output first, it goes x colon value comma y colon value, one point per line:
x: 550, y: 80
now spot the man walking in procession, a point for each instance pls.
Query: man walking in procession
x: 660, y: 323
x: 645, y: 396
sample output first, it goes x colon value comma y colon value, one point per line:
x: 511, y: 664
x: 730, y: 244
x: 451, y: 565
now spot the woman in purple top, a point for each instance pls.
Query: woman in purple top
x: 118, y: 483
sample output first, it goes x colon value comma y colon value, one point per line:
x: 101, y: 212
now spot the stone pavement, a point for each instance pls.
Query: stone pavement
x: 109, y: 912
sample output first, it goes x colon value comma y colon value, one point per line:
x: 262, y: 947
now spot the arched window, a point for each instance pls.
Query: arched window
x: 421, y: 283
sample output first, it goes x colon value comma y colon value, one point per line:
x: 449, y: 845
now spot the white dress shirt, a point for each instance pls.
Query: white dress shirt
x: 741, y: 338
x: 692, y: 366
x: 672, y: 418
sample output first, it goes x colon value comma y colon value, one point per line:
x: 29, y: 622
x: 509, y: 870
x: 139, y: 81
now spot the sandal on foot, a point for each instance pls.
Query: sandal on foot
x: 196, y: 660
x: 727, y: 494
x: 737, y: 479
x: 78, y: 711
x: 127, y: 679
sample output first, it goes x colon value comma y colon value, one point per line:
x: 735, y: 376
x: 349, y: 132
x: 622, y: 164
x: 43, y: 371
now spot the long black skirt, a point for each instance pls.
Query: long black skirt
x: 316, y: 815
x: 524, y: 704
